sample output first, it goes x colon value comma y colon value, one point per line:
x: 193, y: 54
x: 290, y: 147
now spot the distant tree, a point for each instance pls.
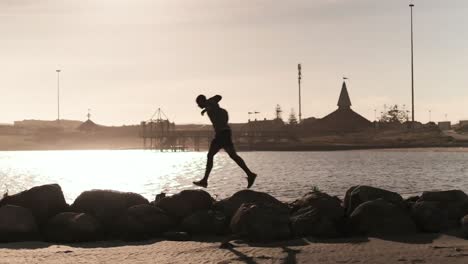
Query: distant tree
x: 394, y: 114
x: 292, y: 118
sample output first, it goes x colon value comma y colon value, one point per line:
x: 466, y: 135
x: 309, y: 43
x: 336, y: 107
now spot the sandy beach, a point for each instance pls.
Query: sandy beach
x: 421, y: 248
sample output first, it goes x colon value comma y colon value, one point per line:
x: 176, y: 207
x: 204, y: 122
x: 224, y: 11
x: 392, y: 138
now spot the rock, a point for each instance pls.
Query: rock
x: 317, y: 214
x: 109, y: 207
x: 44, y: 201
x: 159, y: 197
x: 186, y: 203
x: 309, y: 221
x: 205, y: 222
x: 360, y: 194
x: 261, y: 222
x: 72, y: 227
x: 176, y: 236
x: 464, y: 225
x: 444, y: 196
x: 326, y: 204
x: 381, y: 217
x: 453, y: 202
x: 230, y: 205
x: 17, y: 224
x: 430, y: 216
x: 412, y: 199
x: 146, y: 221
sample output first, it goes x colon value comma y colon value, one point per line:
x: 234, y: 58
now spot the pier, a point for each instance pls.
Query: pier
x: 158, y: 136
x: 158, y: 133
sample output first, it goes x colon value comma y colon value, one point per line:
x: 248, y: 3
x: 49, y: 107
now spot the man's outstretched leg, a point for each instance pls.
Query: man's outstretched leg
x: 233, y: 155
x: 209, y: 165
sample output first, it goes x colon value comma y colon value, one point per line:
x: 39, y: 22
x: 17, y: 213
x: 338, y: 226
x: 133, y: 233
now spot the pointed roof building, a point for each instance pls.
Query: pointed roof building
x: 344, y: 101
x: 88, y: 126
x: 344, y: 119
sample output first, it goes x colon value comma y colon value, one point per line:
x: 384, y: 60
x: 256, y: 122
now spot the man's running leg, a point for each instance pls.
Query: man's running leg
x: 214, y: 148
x: 234, y: 156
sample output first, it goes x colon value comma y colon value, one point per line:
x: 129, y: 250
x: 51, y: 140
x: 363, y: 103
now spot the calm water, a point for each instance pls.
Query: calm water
x: 286, y: 175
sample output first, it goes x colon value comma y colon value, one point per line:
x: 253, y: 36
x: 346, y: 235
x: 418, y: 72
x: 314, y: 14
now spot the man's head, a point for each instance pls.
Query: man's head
x: 201, y: 101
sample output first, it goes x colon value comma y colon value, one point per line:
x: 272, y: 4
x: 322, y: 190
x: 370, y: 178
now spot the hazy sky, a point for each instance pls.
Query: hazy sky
x: 125, y: 58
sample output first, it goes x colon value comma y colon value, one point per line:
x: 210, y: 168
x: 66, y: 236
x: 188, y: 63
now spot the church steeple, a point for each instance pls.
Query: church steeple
x: 344, y: 102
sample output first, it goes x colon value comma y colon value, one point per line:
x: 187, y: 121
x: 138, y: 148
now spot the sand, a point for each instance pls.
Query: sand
x: 422, y: 248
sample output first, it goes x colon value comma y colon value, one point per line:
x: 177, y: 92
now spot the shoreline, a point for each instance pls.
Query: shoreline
x: 305, y: 148
x: 356, y: 147
x: 421, y: 248
x: 370, y: 225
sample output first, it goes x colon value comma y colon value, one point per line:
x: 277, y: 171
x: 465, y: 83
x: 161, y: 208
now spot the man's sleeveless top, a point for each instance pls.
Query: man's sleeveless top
x: 219, y: 118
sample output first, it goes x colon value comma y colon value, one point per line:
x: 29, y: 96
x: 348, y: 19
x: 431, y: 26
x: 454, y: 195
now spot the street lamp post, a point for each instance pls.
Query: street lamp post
x: 58, y: 94
x: 412, y: 65
x: 299, y: 79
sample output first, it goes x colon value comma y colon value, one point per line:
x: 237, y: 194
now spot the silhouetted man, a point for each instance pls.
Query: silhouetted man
x: 222, y: 140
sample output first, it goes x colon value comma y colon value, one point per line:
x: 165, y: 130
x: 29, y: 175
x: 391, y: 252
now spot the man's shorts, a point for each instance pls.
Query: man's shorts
x: 223, y: 139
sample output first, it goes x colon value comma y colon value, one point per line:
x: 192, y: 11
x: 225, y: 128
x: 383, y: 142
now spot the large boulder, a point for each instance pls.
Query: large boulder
x: 360, y: 194
x: 17, y: 224
x: 317, y: 214
x: 453, y: 202
x: 109, y: 207
x: 411, y: 201
x: 329, y: 205
x: 185, y: 203
x: 430, y: 216
x: 205, y: 222
x: 44, y: 201
x: 69, y: 227
x: 261, y: 222
x: 380, y: 217
x: 146, y: 221
x: 445, y: 196
x: 230, y: 205
x: 464, y: 225
x: 309, y: 221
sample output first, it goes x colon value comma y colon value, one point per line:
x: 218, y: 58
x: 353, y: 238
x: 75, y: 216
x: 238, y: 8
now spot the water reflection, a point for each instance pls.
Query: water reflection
x: 286, y: 175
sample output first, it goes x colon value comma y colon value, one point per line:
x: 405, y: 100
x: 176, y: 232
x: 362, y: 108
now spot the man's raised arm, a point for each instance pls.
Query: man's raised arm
x: 215, y: 99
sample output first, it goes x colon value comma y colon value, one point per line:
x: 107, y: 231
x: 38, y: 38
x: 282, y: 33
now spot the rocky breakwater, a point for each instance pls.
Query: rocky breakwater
x: 41, y: 213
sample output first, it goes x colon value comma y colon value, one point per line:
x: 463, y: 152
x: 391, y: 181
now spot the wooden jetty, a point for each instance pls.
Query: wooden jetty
x: 163, y: 136
x: 160, y: 134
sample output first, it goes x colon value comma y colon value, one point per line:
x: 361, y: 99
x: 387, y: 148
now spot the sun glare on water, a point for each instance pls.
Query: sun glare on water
x: 144, y: 172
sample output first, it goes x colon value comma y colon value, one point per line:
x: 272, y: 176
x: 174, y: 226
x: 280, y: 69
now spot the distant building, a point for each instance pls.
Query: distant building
x: 344, y: 119
x: 463, y: 123
x: 88, y: 126
x: 259, y: 125
x: 38, y: 124
x: 266, y: 125
x: 445, y: 125
x: 309, y: 121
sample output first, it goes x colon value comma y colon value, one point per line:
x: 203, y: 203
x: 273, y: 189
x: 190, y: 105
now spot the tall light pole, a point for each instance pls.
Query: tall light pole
x: 58, y: 94
x: 412, y: 65
x: 299, y: 78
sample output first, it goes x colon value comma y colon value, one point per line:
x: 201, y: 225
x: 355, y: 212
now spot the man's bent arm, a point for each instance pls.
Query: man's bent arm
x: 215, y: 99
